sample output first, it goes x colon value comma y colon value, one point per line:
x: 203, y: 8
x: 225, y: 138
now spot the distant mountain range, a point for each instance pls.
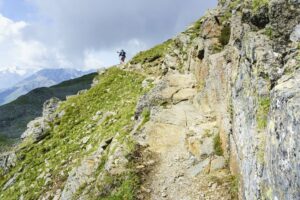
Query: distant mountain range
x: 42, y: 78
x: 11, y: 76
x: 15, y: 115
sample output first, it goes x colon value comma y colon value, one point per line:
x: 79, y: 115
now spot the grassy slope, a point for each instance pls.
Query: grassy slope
x: 152, y: 54
x: 15, y: 115
x: 151, y: 60
x: 118, y: 91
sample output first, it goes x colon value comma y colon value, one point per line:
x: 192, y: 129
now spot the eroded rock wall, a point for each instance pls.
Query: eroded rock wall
x: 251, y: 86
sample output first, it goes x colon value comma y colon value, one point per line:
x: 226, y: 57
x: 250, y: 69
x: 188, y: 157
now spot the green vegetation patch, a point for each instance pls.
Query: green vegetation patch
x: 257, y: 4
x: 228, y: 13
x: 217, y: 48
x: 298, y: 56
x: 118, y: 91
x: 226, y: 16
x: 234, y: 4
x: 232, y: 181
x: 196, y: 29
x: 269, y: 32
x: 225, y: 35
x: 218, y: 145
x: 145, y: 117
x: 126, y: 184
x: 234, y: 187
x: 151, y: 54
x: 262, y: 112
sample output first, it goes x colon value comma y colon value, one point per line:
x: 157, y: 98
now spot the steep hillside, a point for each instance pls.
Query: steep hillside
x: 210, y: 114
x: 42, y: 78
x: 89, y: 134
x: 15, y: 115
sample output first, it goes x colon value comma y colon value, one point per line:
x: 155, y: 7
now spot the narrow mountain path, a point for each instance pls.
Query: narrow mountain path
x: 184, y: 169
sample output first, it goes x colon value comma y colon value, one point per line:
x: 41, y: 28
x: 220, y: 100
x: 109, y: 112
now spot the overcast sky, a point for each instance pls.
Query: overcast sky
x: 86, y: 34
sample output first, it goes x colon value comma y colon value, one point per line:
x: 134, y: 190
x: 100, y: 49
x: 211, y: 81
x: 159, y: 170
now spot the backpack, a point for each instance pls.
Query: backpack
x: 123, y: 53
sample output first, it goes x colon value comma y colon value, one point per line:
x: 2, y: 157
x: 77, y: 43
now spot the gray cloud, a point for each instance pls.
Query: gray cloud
x: 75, y: 26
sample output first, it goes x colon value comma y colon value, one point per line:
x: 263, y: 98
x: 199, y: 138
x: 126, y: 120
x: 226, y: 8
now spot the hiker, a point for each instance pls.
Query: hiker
x: 122, y: 56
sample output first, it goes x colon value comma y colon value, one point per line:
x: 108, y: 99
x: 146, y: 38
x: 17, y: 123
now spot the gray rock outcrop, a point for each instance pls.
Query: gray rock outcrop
x: 7, y: 160
x: 38, y: 128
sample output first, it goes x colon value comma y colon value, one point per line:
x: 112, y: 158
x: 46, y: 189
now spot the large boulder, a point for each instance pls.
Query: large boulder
x: 39, y: 128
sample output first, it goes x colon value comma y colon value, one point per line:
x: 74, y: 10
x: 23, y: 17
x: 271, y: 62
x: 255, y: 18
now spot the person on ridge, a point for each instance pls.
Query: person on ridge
x: 122, y: 55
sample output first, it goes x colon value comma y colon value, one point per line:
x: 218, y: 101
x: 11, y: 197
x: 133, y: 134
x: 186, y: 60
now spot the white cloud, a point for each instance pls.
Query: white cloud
x: 10, y: 29
x: 92, y: 59
x: 15, y: 51
x: 14, y: 70
x: 108, y: 57
x: 90, y: 33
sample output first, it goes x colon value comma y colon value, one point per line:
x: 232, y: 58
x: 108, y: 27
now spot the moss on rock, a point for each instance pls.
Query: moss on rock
x: 257, y: 4
x: 218, y: 145
x: 225, y: 35
x: 262, y: 112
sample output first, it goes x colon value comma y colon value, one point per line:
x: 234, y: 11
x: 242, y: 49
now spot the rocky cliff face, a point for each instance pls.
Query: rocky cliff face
x: 245, y: 56
x: 215, y: 115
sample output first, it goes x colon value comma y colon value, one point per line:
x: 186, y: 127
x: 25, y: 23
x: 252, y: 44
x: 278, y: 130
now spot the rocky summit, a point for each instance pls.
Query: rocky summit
x: 210, y: 114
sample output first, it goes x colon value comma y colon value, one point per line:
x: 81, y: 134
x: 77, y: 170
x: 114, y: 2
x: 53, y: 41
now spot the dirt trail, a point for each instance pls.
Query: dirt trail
x: 179, y: 172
